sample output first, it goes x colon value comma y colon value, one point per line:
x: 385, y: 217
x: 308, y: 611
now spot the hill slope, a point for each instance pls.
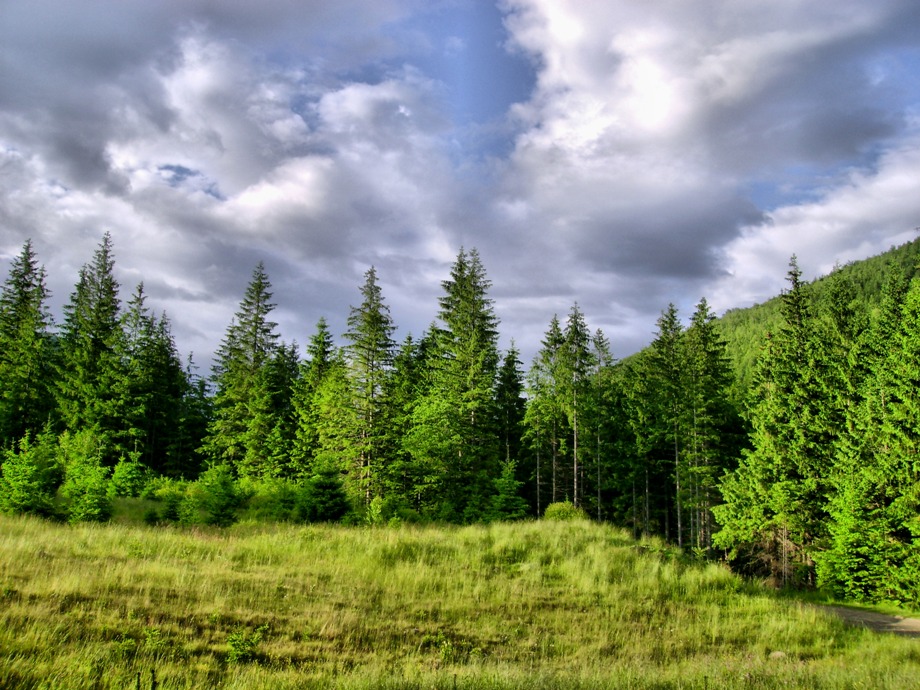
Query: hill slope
x: 536, y: 605
x: 744, y: 329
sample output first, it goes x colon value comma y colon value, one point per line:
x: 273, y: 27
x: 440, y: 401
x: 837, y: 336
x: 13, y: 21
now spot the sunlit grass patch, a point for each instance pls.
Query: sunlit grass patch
x: 534, y: 604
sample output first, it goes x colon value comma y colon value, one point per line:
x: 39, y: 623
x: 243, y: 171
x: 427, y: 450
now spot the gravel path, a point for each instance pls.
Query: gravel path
x: 879, y: 622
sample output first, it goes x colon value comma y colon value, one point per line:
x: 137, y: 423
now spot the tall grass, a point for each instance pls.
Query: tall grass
x: 528, y: 605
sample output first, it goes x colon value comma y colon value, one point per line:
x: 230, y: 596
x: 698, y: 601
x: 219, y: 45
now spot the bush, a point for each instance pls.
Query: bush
x: 29, y: 477
x: 272, y: 500
x: 507, y: 503
x: 390, y: 510
x: 214, y: 497
x: 128, y: 478
x: 243, y: 645
x: 171, y: 492
x: 323, y: 498
x: 564, y: 510
x: 86, y: 481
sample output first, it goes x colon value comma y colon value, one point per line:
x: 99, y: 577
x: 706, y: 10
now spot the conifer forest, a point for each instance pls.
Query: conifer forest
x: 784, y: 438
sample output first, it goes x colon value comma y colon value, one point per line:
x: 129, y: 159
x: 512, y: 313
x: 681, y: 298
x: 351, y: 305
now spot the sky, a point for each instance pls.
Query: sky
x: 617, y: 154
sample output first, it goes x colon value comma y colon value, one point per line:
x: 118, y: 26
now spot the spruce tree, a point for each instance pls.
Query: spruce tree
x: 776, y: 501
x: 91, y: 367
x: 874, y: 541
x: 321, y: 353
x: 151, y: 388
x: 711, y: 437
x: 26, y: 352
x: 666, y: 370
x: 369, y: 354
x: 574, y: 385
x: 510, y: 406
x: 454, y: 431
x: 545, y: 420
x: 240, y: 429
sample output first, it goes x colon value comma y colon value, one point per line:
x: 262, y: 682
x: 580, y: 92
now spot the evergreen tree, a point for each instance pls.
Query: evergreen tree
x: 338, y: 450
x: 406, y: 480
x: 321, y: 353
x: 370, y: 357
x: 511, y: 406
x: 712, y: 427
x: 453, y: 429
x: 600, y: 412
x: 545, y: 419
x: 277, y: 388
x: 776, y: 501
x: 666, y: 370
x: 91, y: 341
x: 874, y: 539
x: 151, y: 388
x: 240, y: 429
x: 26, y: 352
x: 576, y: 364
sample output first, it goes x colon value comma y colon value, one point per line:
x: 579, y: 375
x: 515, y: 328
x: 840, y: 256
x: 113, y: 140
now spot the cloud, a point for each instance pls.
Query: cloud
x: 667, y: 150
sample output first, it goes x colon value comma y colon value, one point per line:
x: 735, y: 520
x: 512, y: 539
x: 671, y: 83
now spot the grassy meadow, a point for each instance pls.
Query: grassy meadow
x: 526, y: 605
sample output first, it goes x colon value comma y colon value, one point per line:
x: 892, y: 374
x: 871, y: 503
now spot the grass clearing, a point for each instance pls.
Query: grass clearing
x: 524, y: 605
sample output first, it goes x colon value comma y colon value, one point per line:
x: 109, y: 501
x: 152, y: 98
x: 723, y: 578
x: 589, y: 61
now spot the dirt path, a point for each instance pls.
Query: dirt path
x: 879, y: 622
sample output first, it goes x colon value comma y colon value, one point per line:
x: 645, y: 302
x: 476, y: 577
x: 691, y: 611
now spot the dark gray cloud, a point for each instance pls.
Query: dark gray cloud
x: 667, y: 150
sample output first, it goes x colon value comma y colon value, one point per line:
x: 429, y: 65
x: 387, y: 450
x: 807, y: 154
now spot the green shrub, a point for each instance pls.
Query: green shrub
x: 243, y: 644
x: 128, y: 478
x: 507, y: 503
x: 564, y: 510
x: 271, y: 500
x: 323, y: 498
x: 28, y: 477
x: 86, y: 481
x: 214, y: 497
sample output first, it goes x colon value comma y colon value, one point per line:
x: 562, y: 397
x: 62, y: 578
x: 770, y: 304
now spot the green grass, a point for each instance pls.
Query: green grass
x: 528, y: 605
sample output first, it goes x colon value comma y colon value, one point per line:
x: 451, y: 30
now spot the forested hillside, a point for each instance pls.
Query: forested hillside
x: 744, y: 329
x: 784, y: 435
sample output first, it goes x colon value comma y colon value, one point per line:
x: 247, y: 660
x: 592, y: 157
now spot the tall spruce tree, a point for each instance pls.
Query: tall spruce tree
x: 369, y: 354
x: 151, y: 389
x: 712, y: 427
x: 666, y: 370
x: 91, y: 368
x: 600, y: 413
x: 545, y: 420
x: 776, y: 501
x: 510, y: 407
x: 576, y: 363
x: 454, y: 430
x: 321, y: 353
x: 26, y: 352
x: 240, y: 429
x: 873, y: 551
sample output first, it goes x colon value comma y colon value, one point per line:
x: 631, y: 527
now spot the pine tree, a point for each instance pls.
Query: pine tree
x: 576, y: 364
x: 545, y: 420
x: 321, y: 353
x: 600, y: 413
x: 26, y: 352
x: 151, y: 388
x: 91, y: 341
x: 240, y: 429
x: 666, y: 369
x: 776, y: 501
x: 711, y: 424
x: 370, y: 357
x: 874, y: 549
x: 453, y: 429
x: 511, y: 406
